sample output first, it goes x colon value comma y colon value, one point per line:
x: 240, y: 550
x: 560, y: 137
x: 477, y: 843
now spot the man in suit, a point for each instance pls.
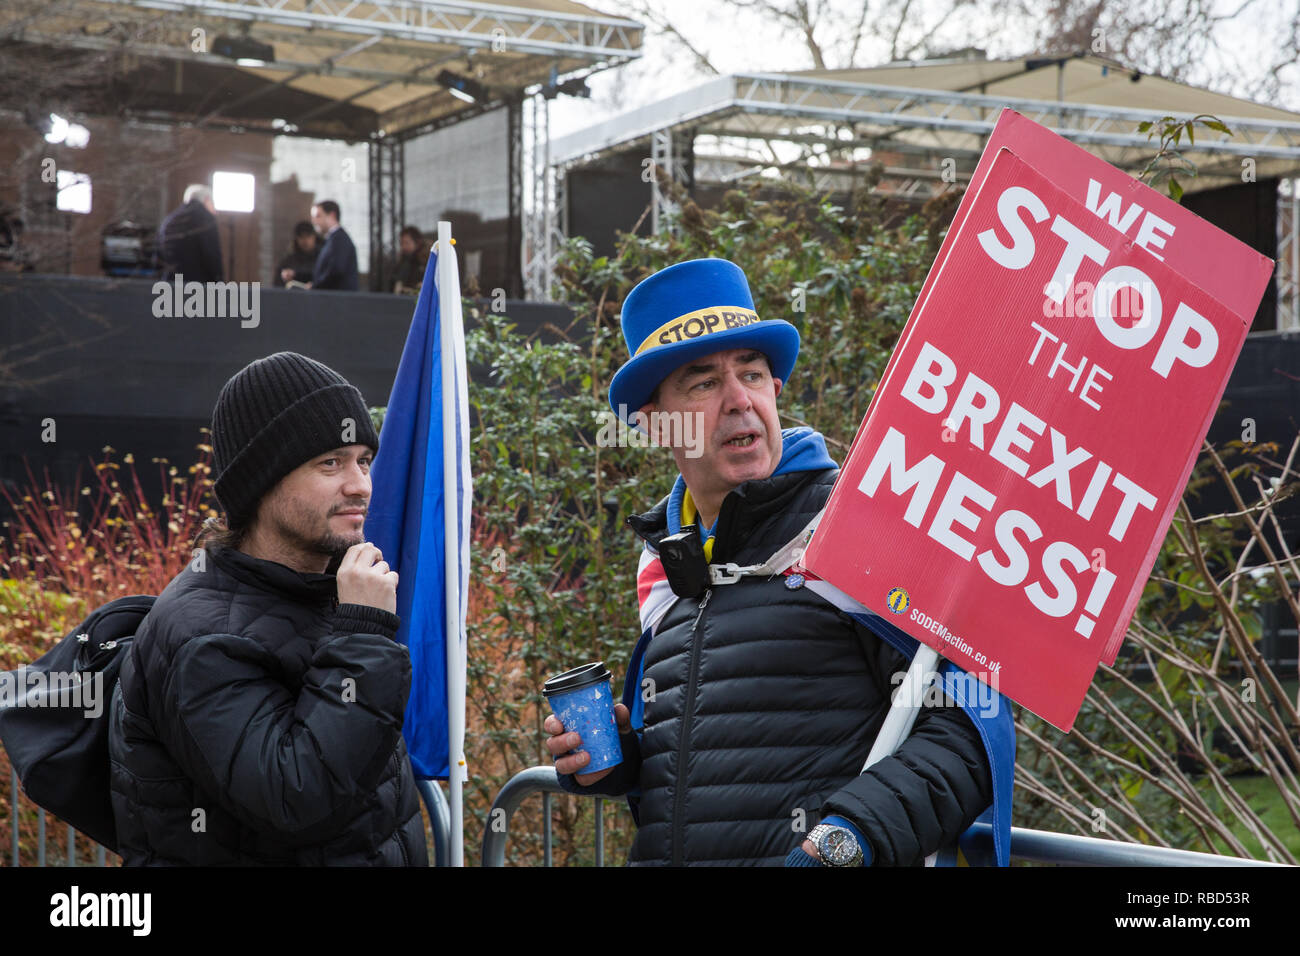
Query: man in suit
x: 189, y: 243
x: 336, y: 266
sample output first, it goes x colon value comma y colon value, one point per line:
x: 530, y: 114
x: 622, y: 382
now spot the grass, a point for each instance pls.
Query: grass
x: 1261, y: 795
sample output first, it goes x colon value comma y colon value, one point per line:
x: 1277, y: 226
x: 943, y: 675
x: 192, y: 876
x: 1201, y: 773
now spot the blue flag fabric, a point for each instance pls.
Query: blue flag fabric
x: 407, y: 521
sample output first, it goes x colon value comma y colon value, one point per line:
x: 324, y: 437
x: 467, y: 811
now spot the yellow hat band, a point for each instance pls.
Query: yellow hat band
x: 694, y: 325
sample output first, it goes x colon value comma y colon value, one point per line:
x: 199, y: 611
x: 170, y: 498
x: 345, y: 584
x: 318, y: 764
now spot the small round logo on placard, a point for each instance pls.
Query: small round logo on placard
x: 897, y: 600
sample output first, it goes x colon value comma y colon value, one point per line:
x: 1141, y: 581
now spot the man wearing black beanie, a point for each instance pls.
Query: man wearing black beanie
x: 258, y: 718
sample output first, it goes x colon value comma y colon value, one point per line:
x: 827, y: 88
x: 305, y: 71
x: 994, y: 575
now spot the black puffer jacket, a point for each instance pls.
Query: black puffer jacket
x: 257, y: 722
x: 766, y: 702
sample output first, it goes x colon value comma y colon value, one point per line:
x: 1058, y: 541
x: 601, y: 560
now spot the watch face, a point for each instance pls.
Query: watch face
x: 838, y: 847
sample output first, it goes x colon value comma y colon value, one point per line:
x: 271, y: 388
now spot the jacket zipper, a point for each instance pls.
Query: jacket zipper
x: 679, y: 800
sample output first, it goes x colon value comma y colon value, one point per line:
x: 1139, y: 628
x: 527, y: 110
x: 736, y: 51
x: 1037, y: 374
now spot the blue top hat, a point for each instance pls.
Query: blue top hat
x: 688, y: 310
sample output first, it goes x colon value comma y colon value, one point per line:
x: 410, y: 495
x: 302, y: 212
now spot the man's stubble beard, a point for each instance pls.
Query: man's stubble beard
x: 297, y: 526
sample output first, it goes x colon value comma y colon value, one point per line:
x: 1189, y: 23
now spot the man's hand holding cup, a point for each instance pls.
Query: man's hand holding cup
x: 563, y: 745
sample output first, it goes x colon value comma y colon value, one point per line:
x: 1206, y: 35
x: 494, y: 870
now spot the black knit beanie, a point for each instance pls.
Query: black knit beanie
x: 272, y: 416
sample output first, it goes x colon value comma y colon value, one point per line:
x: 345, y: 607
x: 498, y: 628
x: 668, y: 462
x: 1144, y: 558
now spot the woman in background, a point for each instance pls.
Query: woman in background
x: 297, y: 265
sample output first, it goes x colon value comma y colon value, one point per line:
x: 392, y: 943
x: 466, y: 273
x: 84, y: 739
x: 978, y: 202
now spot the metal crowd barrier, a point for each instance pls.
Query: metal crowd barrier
x: 430, y: 793
x: 1034, y: 846
x: 517, y: 789
x: 435, y: 801
x: 43, y: 858
x: 1068, y: 849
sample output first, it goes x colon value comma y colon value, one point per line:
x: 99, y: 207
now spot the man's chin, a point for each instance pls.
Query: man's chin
x: 742, y: 475
x: 334, y: 546
x: 761, y: 467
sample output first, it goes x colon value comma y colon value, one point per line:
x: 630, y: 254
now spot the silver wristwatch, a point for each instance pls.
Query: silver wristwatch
x: 837, y: 845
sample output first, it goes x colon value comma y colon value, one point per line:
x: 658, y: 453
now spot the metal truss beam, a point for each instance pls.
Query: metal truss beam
x: 1288, y: 256
x: 671, y: 154
x: 939, y: 111
x: 785, y: 108
x: 515, y: 175
x: 930, y: 125
x: 538, y: 203
x: 469, y: 25
x: 543, y: 206
x: 387, y: 207
x: 181, y: 51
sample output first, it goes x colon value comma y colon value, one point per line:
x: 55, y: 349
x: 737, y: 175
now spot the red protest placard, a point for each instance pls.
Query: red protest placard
x: 1228, y: 269
x: 1018, y: 469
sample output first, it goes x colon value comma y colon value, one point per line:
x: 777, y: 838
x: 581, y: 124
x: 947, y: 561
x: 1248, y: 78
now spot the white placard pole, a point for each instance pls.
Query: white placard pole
x: 906, y: 705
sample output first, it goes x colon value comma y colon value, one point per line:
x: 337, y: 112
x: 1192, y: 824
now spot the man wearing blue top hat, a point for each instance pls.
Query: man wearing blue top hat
x: 752, y: 699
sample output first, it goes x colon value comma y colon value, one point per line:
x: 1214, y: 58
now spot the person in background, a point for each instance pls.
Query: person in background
x: 189, y: 243
x: 415, y: 257
x: 336, y: 266
x: 298, y: 263
x: 13, y: 256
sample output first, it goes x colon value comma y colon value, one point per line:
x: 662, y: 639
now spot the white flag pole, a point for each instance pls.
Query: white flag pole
x: 906, y: 704
x: 902, y: 712
x: 449, y: 322
x: 908, y: 699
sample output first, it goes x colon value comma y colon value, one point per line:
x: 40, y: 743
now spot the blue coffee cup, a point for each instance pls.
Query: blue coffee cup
x: 583, y: 702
